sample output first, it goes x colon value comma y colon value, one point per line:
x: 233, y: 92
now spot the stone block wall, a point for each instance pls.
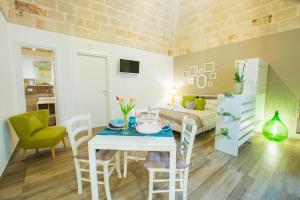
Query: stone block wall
x: 139, y: 24
x: 210, y: 23
x: 6, y: 7
x: 173, y: 27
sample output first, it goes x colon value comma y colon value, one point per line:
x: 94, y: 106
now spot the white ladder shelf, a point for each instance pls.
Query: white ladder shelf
x: 239, y: 125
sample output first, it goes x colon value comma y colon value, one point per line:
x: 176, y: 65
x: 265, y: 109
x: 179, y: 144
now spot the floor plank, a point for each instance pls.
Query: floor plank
x: 263, y: 170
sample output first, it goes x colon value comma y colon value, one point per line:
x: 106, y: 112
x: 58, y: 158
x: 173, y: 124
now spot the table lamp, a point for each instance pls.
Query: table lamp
x: 173, y: 92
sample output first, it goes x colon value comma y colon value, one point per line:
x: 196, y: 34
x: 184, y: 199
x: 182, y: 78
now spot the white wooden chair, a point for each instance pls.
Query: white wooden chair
x: 75, y: 128
x: 159, y: 161
x: 133, y: 155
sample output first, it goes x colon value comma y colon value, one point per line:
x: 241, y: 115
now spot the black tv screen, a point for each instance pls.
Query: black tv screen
x: 129, y: 66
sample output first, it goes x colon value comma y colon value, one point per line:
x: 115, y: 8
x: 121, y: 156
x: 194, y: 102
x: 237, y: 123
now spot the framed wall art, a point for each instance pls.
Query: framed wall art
x: 193, y: 71
x: 210, y: 67
x: 202, y: 81
x: 213, y: 76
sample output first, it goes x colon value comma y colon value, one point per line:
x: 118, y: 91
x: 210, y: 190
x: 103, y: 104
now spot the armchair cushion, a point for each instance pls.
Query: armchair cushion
x: 22, y: 123
x: 34, y: 124
x: 47, y: 137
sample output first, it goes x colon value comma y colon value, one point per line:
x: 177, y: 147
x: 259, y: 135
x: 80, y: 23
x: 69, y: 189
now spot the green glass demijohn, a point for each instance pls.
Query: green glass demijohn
x: 275, y: 129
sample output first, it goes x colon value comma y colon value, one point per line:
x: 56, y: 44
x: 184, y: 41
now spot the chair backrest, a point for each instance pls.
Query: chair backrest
x: 23, y: 126
x: 151, y: 112
x: 187, y: 138
x: 79, y: 124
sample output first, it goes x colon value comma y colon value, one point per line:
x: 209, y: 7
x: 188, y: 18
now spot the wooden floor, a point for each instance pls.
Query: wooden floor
x: 263, y: 170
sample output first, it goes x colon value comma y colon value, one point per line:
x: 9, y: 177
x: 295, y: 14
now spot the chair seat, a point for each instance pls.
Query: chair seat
x: 156, y: 159
x: 104, y: 155
x: 47, y: 137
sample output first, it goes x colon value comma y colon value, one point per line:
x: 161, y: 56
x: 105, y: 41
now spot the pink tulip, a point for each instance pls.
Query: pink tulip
x: 118, y: 98
x: 136, y: 113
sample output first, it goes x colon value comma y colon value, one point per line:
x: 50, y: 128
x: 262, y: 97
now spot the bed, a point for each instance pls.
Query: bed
x: 207, y: 116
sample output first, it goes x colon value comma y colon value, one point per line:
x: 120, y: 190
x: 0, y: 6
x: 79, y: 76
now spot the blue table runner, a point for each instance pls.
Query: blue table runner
x: 133, y: 132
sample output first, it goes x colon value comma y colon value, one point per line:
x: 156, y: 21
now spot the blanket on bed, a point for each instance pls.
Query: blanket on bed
x: 177, y: 117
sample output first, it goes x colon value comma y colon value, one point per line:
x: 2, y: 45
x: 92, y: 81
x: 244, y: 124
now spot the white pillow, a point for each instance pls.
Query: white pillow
x: 190, y: 105
x: 210, y: 104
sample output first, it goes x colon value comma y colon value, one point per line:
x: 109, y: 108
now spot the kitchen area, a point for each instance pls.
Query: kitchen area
x: 38, y: 74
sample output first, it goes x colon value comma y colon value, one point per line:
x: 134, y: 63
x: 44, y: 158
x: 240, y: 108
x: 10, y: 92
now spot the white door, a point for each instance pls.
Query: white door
x: 92, y: 87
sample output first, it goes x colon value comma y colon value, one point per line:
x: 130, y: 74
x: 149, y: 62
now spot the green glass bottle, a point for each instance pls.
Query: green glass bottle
x: 275, y: 129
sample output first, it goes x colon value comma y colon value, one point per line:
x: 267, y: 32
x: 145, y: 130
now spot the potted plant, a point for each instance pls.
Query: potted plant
x: 239, y: 79
x: 224, y: 132
x: 125, y: 108
x: 228, y: 116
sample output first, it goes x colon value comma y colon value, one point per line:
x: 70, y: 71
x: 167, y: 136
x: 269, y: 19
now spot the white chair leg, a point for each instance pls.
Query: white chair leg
x: 117, y: 162
x: 185, y: 183
x: 78, y: 175
x: 125, y: 164
x: 151, y: 179
x: 106, y: 181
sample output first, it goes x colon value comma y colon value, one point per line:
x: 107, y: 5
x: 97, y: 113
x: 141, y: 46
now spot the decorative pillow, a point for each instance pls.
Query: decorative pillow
x: 211, y: 104
x: 190, y: 105
x: 200, y: 103
x: 35, y: 124
x: 187, y: 98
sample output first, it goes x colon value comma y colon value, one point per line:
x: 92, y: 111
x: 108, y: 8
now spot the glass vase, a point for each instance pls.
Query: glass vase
x: 125, y: 123
x: 238, y: 87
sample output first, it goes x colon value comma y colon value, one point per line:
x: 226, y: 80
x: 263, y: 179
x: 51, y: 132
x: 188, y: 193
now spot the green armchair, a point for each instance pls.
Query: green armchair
x: 34, y: 133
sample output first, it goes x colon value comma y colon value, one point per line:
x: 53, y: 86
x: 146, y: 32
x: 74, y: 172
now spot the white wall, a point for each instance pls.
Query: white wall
x: 28, y: 59
x: 149, y: 87
x: 8, y: 141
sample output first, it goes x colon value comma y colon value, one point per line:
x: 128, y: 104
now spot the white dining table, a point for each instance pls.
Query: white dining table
x: 131, y: 143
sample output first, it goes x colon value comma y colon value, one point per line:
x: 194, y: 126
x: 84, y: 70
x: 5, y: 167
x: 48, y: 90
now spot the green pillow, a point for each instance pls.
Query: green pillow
x: 187, y: 98
x: 35, y: 124
x: 200, y: 103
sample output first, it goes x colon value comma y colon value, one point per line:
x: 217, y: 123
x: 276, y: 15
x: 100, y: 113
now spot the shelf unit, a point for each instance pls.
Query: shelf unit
x: 240, y: 125
x: 256, y: 77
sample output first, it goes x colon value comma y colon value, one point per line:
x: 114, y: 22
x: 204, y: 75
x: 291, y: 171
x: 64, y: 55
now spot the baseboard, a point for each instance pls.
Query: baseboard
x: 8, y: 160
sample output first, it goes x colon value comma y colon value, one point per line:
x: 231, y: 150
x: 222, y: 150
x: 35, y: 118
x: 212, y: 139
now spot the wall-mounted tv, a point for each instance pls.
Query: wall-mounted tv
x: 129, y: 66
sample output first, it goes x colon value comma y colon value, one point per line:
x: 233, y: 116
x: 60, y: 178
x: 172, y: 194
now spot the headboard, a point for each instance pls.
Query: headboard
x: 203, y: 96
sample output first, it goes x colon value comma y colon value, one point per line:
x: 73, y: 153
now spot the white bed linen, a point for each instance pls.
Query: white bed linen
x: 208, y: 117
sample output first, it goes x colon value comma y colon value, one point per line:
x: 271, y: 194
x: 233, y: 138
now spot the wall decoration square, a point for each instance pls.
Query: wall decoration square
x: 186, y: 73
x: 191, y: 81
x: 213, y: 76
x: 210, y: 67
x: 193, y: 71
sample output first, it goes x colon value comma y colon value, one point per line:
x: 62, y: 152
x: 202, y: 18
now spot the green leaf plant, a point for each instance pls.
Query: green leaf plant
x: 239, y: 77
x: 224, y: 132
x: 228, y: 94
x: 228, y: 114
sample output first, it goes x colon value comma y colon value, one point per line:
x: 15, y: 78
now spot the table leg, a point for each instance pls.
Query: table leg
x: 93, y: 173
x: 172, y: 175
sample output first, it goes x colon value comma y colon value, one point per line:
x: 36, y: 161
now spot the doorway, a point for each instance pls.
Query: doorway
x: 39, y: 81
x: 92, y: 93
